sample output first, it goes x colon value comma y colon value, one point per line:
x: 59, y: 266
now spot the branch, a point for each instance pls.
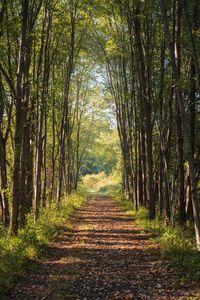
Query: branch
x: 8, y: 80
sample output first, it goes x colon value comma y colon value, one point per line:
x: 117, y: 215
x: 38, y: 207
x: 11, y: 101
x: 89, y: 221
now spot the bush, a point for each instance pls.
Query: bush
x: 15, y: 252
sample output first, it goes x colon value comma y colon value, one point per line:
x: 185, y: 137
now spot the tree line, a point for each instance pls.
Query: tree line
x: 150, y: 51
x: 45, y: 87
x: 147, y: 53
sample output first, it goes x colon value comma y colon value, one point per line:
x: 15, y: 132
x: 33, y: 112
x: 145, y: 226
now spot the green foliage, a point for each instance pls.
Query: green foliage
x: 180, y: 246
x: 102, y: 184
x: 103, y: 151
x: 110, y: 190
x: 126, y: 205
x: 177, y: 244
x: 15, y: 252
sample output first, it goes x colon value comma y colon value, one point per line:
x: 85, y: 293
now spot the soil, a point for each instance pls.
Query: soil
x: 102, y: 255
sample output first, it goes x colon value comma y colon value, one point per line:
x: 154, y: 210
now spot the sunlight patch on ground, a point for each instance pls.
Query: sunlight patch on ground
x: 102, y: 184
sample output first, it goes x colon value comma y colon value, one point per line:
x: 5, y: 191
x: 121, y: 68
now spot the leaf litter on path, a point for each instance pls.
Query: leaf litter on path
x: 104, y: 256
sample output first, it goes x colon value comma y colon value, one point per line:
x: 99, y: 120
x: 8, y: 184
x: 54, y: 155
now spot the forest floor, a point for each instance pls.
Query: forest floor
x: 104, y: 255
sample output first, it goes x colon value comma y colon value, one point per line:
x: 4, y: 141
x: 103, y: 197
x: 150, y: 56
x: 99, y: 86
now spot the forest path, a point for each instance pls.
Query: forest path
x: 104, y: 256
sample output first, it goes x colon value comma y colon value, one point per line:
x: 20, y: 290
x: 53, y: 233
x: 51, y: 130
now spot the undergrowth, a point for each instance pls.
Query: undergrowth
x: 17, y: 252
x: 176, y: 244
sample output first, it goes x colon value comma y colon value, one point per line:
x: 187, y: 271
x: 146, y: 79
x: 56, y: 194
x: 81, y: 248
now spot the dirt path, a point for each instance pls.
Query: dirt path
x: 103, y: 256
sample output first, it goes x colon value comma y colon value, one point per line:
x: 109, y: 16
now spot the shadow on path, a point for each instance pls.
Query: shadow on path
x: 103, y: 256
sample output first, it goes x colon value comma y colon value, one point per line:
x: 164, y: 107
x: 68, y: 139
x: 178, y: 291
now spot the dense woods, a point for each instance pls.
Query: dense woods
x: 45, y: 99
x: 151, y: 57
x: 66, y: 68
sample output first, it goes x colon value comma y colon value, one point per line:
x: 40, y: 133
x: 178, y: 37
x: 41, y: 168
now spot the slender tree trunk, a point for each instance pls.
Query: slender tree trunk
x: 4, y: 183
x: 45, y: 161
x: 140, y: 180
x: 3, y: 163
x: 181, y: 179
x: 53, y: 145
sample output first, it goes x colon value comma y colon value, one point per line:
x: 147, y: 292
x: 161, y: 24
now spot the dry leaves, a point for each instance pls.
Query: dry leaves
x: 104, y: 256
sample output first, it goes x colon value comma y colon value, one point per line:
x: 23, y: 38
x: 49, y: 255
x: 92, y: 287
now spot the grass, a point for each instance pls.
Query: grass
x: 102, y: 184
x: 177, y: 244
x: 17, y: 252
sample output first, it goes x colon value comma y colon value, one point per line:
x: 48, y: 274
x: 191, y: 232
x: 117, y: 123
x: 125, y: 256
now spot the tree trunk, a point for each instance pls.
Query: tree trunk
x: 4, y: 183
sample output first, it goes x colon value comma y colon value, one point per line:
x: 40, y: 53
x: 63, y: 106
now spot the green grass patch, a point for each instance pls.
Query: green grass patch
x: 177, y: 244
x: 16, y: 252
x: 102, y: 184
x: 109, y: 190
